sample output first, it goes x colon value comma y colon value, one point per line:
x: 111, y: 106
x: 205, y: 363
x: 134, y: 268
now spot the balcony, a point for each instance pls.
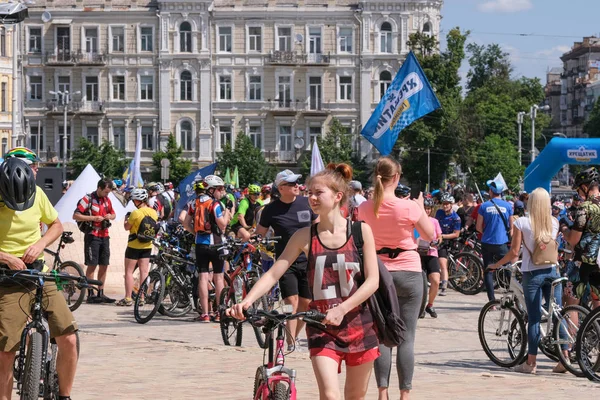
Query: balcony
x: 293, y: 58
x: 76, y: 107
x: 286, y: 156
x: 61, y: 58
x: 285, y: 106
x: 94, y: 58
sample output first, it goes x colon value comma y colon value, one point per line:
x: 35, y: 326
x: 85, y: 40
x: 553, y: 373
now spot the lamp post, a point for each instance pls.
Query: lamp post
x: 566, y: 166
x: 520, y: 116
x: 533, y: 115
x: 65, y: 100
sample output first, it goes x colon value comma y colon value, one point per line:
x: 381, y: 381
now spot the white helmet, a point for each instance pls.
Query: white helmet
x: 213, y: 181
x: 139, y: 194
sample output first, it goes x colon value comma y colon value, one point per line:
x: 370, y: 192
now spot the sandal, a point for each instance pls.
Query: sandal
x: 125, y: 302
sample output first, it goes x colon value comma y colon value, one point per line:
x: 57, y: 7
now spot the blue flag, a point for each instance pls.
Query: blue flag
x: 186, y: 191
x: 408, y: 98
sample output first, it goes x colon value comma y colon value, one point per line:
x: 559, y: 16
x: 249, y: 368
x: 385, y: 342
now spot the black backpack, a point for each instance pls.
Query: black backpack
x: 167, y: 204
x: 86, y: 226
x: 147, y: 230
x: 383, y: 304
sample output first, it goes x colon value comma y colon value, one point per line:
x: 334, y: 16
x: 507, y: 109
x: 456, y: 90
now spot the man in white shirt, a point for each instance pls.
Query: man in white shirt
x: 358, y: 198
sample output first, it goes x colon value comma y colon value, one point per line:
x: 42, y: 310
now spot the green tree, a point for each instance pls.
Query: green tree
x: 487, y: 62
x: 179, y: 168
x: 592, y: 126
x: 251, y: 163
x: 496, y: 154
x: 105, y: 159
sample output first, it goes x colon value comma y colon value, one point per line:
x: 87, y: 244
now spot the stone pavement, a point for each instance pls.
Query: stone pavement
x: 179, y: 359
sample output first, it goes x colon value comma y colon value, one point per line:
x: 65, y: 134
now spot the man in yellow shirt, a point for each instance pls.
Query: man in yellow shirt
x: 23, y: 206
x: 138, y: 249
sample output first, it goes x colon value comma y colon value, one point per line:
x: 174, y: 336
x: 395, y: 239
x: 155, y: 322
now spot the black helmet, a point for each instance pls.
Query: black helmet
x: 17, y: 184
x: 586, y: 177
x: 402, y: 191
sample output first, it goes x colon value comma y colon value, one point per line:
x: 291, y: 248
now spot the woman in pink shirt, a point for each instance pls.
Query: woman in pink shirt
x: 392, y: 221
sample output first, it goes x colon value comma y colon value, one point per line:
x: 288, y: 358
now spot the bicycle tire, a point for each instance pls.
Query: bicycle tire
x: 425, y: 295
x: 515, y: 343
x: 226, y: 322
x: 261, y: 303
x: 155, y: 282
x: 572, y: 367
x: 71, y: 288
x: 180, y: 303
x: 281, y: 392
x: 588, y: 341
x: 30, y: 388
x: 470, y: 282
x: 259, y: 377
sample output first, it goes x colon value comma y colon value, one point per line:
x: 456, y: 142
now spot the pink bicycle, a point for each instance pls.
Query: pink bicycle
x: 273, y: 380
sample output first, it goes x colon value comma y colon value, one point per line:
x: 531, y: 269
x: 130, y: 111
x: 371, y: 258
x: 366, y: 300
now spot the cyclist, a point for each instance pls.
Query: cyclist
x: 330, y: 249
x: 26, y: 155
x: 242, y: 222
x: 557, y: 209
x: 137, y: 252
x: 207, y: 219
x: 430, y: 261
x: 154, y: 189
x: 450, y: 224
x: 265, y: 194
x: 22, y: 247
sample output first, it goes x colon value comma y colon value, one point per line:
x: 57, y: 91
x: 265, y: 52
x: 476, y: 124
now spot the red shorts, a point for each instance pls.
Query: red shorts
x: 352, y: 359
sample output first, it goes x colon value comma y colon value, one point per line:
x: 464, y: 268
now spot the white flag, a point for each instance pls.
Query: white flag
x: 136, y: 173
x: 316, y: 164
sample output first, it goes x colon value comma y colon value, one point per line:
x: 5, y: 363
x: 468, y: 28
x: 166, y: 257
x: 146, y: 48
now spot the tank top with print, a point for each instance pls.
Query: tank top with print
x: 333, y: 276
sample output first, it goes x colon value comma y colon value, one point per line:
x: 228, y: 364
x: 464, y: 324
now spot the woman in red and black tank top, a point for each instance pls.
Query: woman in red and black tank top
x: 333, y: 274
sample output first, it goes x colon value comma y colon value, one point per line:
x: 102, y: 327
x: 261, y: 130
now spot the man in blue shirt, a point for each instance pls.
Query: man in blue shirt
x: 494, y: 223
x: 450, y: 224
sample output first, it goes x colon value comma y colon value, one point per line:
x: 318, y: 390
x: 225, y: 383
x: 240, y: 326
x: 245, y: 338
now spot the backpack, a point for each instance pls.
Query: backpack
x: 203, y: 220
x: 167, y: 204
x: 86, y: 226
x: 545, y: 253
x: 383, y: 304
x: 147, y: 230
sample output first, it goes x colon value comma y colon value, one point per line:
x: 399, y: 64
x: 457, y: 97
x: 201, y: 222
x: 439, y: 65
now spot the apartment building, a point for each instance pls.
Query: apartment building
x: 278, y: 70
x: 581, y: 72
x: 6, y: 86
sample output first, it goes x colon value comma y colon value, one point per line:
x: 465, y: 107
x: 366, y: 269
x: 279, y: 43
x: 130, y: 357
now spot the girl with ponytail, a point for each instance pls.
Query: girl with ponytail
x: 393, y: 221
x: 333, y: 275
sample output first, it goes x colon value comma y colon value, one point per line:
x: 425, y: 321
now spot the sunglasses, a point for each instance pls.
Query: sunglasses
x: 290, y: 184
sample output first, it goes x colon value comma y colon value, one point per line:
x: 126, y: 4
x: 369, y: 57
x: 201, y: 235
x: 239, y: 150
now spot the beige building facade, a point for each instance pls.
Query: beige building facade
x: 6, y: 85
x: 277, y: 70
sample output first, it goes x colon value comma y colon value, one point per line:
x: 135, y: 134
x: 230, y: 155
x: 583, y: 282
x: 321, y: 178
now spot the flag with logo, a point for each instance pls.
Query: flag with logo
x: 408, y: 98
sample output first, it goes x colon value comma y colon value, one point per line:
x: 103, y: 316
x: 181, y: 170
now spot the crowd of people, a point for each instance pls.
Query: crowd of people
x: 317, y: 265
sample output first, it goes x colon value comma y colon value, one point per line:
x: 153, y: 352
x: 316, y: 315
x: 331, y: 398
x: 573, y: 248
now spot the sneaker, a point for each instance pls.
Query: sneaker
x: 204, y: 318
x: 125, y: 302
x: 431, y: 311
x: 93, y: 300
x: 216, y: 318
x: 442, y: 292
x: 106, y: 299
x: 526, y: 368
x: 422, y: 315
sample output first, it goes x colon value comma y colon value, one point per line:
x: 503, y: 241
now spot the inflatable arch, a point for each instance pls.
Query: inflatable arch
x: 558, y: 152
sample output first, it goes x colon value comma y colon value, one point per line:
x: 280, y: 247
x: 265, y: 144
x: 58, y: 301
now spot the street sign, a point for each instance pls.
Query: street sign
x: 164, y: 173
x: 165, y: 162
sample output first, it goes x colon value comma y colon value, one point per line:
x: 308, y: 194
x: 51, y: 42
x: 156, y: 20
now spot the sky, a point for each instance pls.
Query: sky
x: 551, y: 27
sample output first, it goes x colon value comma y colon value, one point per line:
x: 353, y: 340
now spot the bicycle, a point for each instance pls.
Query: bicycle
x: 35, y: 365
x: 73, y: 292
x: 465, y: 272
x: 507, y: 345
x: 588, y: 346
x: 273, y: 380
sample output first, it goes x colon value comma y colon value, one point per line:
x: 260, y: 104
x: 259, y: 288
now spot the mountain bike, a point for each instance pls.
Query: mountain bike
x: 273, y: 380
x: 73, y: 291
x: 465, y: 272
x: 35, y: 364
x: 588, y: 346
x: 502, y: 333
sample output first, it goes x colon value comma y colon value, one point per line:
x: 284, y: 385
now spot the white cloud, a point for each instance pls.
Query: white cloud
x: 556, y: 50
x: 505, y: 6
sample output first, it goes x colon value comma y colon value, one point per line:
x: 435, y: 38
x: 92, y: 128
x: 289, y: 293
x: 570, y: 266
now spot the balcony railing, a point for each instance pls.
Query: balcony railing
x: 94, y: 58
x: 286, y: 105
x: 294, y: 58
x: 286, y: 156
x: 61, y: 58
x: 83, y: 107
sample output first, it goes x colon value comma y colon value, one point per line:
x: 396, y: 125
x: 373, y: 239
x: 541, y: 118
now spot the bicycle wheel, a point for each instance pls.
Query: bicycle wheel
x: 73, y: 291
x: 261, y: 304
x: 587, y: 346
x: 502, y: 334
x: 571, y: 318
x: 466, y: 274
x: 281, y: 392
x: 176, y: 302
x: 229, y: 326
x: 30, y: 388
x: 149, y: 297
x: 259, y: 378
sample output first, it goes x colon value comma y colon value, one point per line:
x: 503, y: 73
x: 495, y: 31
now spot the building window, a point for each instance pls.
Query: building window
x: 255, y: 135
x: 4, y: 146
x: 225, y: 39
x: 146, y: 88
x: 36, y: 134
x: 315, y: 92
x: 61, y: 132
x: 119, y: 137
x: 225, y: 136
x: 35, y: 88
x: 63, y: 43
x: 346, y: 88
x: 3, y: 42
x: 91, y: 134
x: 146, y: 38
x: 185, y: 85
x: 4, y: 99
x: 255, y: 39
x: 346, y: 40
x: 284, y: 38
x: 185, y: 37
x: 118, y: 87
x: 427, y: 29
x: 118, y: 39
x: 285, y: 138
x: 224, y: 87
x: 385, y: 38
x: 91, y: 88
x: 147, y: 138
x: 314, y: 132
x: 35, y: 40
x: 255, y: 84
x: 385, y: 80
x: 314, y: 40
x: 284, y: 91
x: 64, y: 84
x: 91, y: 40
x: 185, y: 131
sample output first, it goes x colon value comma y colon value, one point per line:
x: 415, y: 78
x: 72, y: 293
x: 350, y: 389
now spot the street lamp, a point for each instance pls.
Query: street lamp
x: 533, y: 115
x: 65, y: 99
x: 520, y: 116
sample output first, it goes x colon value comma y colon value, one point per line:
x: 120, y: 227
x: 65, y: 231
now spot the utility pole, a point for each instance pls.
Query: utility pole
x: 65, y: 100
x: 520, y: 116
x: 532, y: 115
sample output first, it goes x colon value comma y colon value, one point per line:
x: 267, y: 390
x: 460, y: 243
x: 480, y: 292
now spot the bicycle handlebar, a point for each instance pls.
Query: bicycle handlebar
x: 33, y: 275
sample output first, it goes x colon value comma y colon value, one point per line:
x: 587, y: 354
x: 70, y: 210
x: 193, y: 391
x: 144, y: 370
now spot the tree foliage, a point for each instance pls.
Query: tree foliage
x: 105, y: 159
x: 179, y: 168
x: 592, y: 126
x: 487, y: 62
x: 495, y: 154
x: 251, y: 163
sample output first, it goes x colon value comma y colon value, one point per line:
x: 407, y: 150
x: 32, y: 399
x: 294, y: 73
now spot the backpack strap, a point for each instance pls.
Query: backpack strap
x: 313, y: 233
x: 356, y: 230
